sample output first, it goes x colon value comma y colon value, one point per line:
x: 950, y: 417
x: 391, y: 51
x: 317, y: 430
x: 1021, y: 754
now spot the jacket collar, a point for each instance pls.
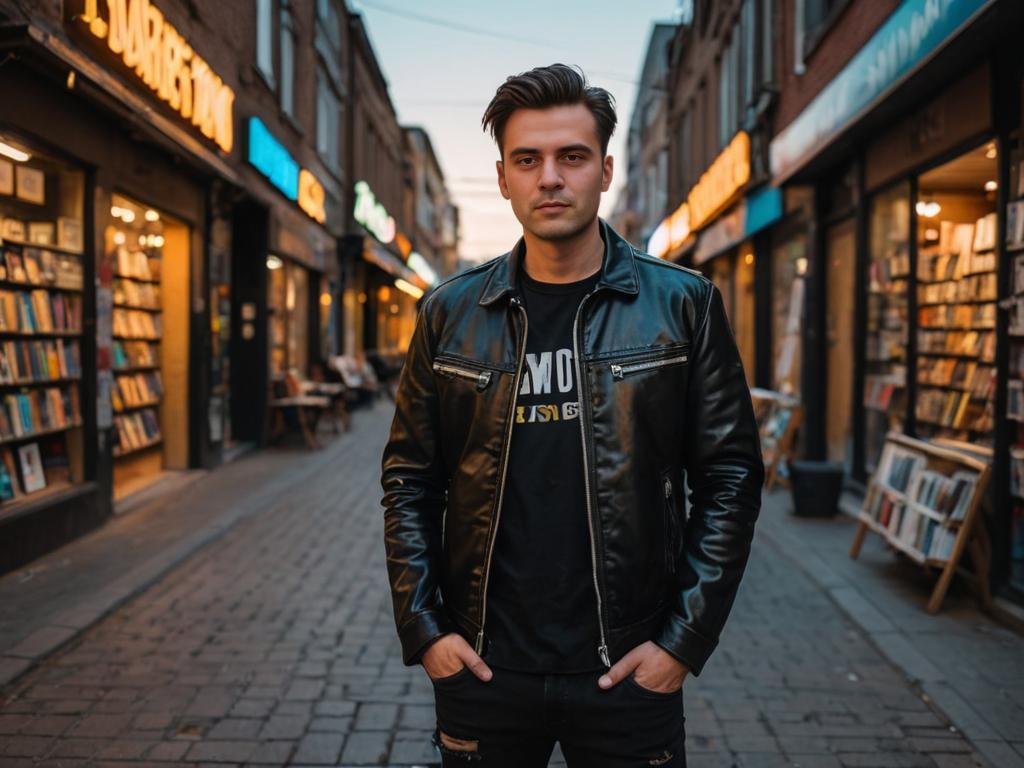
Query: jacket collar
x: 618, y: 270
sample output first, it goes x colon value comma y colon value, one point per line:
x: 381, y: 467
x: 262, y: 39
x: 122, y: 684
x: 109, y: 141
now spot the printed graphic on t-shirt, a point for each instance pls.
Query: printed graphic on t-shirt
x: 547, y: 375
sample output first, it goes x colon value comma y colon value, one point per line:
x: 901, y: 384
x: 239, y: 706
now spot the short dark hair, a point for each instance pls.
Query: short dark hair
x: 551, y: 86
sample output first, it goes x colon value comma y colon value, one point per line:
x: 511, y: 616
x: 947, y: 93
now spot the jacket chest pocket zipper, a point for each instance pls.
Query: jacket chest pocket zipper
x: 620, y: 371
x: 480, y: 378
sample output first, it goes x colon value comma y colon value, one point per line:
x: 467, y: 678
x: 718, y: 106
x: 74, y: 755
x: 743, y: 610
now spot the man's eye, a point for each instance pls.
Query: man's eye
x: 573, y: 158
x: 525, y: 161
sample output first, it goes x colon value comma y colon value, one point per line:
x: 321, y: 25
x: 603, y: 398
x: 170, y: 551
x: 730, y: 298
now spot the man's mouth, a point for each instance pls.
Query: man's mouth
x: 552, y: 204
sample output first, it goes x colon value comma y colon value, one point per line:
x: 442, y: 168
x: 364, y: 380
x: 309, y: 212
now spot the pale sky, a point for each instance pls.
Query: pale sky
x: 442, y: 77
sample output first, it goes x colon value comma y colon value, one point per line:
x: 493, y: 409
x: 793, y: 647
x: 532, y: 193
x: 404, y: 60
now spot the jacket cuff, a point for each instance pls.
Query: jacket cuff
x: 420, y: 631
x: 684, y: 644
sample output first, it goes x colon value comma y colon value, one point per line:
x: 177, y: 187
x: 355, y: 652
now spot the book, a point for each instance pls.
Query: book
x: 32, y: 477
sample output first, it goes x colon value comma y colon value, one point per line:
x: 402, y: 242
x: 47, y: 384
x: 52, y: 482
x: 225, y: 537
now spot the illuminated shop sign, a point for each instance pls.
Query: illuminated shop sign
x: 418, y: 264
x: 719, y: 184
x: 911, y: 34
x: 136, y: 31
x: 273, y: 160
x: 716, y: 189
x: 372, y: 215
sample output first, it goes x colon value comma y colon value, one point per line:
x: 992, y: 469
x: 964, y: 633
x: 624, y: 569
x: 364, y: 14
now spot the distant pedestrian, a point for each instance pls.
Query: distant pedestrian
x: 554, y: 404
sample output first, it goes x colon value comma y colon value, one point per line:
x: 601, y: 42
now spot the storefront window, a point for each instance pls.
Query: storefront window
x: 288, y: 311
x: 789, y: 265
x: 957, y: 290
x: 41, y: 284
x: 885, y: 356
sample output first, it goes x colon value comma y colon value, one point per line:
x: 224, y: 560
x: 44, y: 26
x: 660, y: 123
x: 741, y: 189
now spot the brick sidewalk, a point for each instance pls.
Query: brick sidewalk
x: 274, y: 645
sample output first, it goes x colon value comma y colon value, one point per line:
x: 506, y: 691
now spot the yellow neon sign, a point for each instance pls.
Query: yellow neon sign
x: 136, y: 31
x: 311, y: 196
x: 719, y: 184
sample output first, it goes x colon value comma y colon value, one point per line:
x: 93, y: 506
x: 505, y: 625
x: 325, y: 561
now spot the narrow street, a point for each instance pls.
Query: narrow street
x: 274, y: 645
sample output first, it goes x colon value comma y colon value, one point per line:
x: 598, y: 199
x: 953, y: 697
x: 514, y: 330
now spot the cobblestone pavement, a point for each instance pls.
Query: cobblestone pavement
x: 274, y: 645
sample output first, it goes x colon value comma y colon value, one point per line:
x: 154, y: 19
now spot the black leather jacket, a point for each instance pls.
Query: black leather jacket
x: 662, y: 393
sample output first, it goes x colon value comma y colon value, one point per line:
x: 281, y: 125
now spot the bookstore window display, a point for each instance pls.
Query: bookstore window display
x: 956, y: 299
x: 885, y: 355
x: 41, y: 283
x: 288, y: 305
x: 149, y: 255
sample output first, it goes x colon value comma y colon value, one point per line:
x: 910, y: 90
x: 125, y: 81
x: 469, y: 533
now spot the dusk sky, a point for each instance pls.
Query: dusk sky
x: 444, y: 59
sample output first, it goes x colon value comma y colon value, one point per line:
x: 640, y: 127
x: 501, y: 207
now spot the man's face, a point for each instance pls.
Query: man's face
x: 552, y: 170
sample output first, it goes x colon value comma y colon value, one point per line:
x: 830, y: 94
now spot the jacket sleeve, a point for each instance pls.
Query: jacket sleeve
x: 414, y: 484
x: 725, y: 472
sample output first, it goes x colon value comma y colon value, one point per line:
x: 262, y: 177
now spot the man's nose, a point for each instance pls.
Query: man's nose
x: 551, y: 176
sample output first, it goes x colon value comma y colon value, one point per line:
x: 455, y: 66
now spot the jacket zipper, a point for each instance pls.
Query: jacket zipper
x: 602, y: 648
x: 621, y: 371
x: 480, y: 378
x: 479, y: 646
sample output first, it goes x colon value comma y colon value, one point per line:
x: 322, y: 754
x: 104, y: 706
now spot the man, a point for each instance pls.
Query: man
x: 543, y: 567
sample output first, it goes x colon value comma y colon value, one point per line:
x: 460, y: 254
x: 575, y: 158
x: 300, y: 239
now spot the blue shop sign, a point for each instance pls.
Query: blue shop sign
x: 270, y: 157
x: 910, y: 36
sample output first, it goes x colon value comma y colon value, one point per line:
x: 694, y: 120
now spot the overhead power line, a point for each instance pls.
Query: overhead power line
x: 484, y: 32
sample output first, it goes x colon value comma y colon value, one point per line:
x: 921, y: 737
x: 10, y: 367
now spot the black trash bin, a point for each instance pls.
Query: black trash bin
x: 816, y: 486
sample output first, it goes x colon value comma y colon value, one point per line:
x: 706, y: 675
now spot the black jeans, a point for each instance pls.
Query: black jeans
x: 515, y: 719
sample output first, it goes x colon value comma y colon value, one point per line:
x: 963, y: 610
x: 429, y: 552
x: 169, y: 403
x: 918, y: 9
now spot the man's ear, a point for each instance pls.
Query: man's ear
x: 606, y: 172
x: 500, y: 166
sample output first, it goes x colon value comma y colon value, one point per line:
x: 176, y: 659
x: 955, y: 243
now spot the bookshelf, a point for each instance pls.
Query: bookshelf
x: 925, y: 500
x: 956, y: 325
x: 1013, y: 303
x: 137, y: 329
x: 41, y: 365
x: 884, y: 398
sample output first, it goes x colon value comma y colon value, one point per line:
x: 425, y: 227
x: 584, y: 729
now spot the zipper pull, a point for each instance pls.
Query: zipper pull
x: 483, y: 380
x: 668, y: 488
x: 479, y: 646
x: 616, y: 371
x: 602, y: 651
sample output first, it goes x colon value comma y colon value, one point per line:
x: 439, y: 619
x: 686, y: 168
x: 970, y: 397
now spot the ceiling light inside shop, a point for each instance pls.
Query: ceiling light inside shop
x: 991, y: 186
x: 13, y: 152
x: 71, y: 79
x: 325, y: 299
x: 143, y: 240
x: 394, y: 309
x: 119, y: 238
x: 152, y: 215
x: 127, y: 215
x: 931, y: 234
x: 274, y: 262
x: 990, y: 152
x: 801, y: 265
x: 748, y: 259
x: 158, y: 241
x: 413, y: 290
x: 929, y: 209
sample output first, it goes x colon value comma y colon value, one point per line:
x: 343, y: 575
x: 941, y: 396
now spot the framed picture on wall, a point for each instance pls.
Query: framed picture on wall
x: 6, y: 178
x: 41, y: 232
x: 69, y: 233
x: 30, y: 185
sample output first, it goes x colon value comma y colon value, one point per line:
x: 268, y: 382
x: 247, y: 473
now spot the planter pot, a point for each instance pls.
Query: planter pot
x: 816, y: 486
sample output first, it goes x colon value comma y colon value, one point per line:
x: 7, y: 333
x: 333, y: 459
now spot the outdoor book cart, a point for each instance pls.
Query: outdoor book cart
x: 925, y: 500
x: 778, y: 418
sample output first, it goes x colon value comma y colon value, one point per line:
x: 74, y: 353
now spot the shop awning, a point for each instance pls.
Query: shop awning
x: 758, y: 210
x: 377, y: 254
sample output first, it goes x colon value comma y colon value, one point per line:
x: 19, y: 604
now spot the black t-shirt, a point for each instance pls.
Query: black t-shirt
x: 541, y: 606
